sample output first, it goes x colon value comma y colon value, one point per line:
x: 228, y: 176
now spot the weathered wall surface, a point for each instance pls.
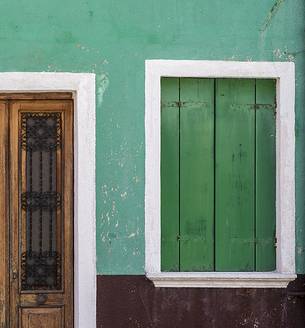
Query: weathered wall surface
x: 133, y: 302
x: 113, y: 38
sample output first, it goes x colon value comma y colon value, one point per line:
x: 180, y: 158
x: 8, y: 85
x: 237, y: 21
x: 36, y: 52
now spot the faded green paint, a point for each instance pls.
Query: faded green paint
x: 234, y: 157
x: 187, y: 182
x: 113, y: 38
x: 196, y: 174
x: 218, y: 147
x: 170, y: 174
x: 265, y: 175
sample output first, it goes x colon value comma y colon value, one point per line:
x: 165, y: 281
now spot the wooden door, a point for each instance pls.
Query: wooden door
x: 39, y: 208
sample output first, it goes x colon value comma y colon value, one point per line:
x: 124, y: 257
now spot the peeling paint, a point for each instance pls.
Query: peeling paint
x: 283, y: 54
x: 124, y: 195
x: 271, y: 14
x: 300, y: 250
x: 136, y: 179
x: 102, y: 83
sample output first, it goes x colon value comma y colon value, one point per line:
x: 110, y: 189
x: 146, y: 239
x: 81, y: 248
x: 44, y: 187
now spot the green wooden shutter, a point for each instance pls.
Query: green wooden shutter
x: 196, y: 174
x: 169, y: 174
x: 265, y: 175
x: 235, y: 145
x: 217, y: 174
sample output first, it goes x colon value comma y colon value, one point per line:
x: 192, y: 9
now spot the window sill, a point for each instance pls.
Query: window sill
x: 221, y: 279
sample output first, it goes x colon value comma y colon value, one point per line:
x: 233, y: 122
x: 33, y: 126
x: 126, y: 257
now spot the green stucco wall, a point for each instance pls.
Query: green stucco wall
x: 112, y: 39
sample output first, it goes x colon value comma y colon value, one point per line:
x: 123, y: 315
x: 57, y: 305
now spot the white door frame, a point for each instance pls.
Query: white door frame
x: 83, y: 87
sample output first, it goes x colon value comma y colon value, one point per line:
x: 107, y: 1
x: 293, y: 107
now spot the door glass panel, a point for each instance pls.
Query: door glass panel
x: 41, y: 200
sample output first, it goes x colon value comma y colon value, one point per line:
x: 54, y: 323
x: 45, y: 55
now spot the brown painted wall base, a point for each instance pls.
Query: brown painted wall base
x: 133, y: 301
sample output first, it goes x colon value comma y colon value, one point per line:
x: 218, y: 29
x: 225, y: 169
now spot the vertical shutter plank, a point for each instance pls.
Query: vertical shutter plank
x: 235, y: 142
x: 169, y: 174
x: 265, y: 175
x: 197, y: 174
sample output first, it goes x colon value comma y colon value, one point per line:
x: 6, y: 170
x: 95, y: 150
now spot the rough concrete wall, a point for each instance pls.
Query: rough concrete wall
x: 113, y: 38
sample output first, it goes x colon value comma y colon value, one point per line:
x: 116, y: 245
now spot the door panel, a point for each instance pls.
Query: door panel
x: 41, y: 213
x: 41, y: 318
x: 4, y: 283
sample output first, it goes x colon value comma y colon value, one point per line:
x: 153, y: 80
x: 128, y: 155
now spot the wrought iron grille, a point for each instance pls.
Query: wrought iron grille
x: 41, y: 131
x: 41, y: 270
x: 34, y: 200
x: 41, y: 138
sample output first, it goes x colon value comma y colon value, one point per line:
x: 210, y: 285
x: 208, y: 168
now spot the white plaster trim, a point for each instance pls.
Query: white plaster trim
x: 284, y: 73
x: 221, y: 279
x: 83, y: 87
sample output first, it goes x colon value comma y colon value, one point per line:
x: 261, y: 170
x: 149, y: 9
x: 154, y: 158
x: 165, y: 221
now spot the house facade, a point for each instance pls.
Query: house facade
x: 120, y: 64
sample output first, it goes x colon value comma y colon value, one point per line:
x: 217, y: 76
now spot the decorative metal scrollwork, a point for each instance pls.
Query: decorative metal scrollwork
x: 41, y: 136
x: 41, y: 131
x: 40, y: 271
x: 35, y: 200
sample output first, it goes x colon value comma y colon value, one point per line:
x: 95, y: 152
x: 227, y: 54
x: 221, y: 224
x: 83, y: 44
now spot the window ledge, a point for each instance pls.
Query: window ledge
x: 221, y: 279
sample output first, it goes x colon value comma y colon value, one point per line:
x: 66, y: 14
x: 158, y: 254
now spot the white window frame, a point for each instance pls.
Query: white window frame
x: 284, y: 73
x: 82, y: 85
